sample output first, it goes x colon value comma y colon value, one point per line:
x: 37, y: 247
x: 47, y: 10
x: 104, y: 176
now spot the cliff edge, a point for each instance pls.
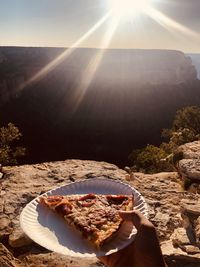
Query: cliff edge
x: 174, y: 211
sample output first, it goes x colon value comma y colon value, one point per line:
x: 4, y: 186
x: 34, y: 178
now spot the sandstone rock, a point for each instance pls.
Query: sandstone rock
x: 163, y: 193
x: 186, y: 222
x: 176, y: 257
x: 54, y: 259
x: 194, y: 188
x: 18, y: 239
x: 190, y: 215
x: 192, y: 249
x: 191, y: 210
x: 21, y: 184
x: 191, y: 150
x: 180, y: 237
x: 169, y: 250
x: 161, y: 217
x: 5, y: 225
x: 165, y: 199
x: 190, y: 168
x: 7, y: 259
x: 197, y: 230
x: 4, y: 221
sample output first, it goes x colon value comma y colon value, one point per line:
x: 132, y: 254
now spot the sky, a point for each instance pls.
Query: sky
x: 163, y: 24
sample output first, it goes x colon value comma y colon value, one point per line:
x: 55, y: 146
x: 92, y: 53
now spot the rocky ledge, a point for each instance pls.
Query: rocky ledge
x: 174, y: 212
x: 189, y: 165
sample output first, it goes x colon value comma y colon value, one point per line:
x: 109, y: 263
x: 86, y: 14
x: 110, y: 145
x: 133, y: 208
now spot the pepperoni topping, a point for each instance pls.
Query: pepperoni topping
x: 64, y: 209
x: 88, y: 196
x: 88, y: 204
x: 117, y: 200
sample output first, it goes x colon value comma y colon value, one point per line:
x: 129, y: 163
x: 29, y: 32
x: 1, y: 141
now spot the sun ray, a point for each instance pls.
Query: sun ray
x: 170, y: 24
x: 144, y: 7
x: 50, y: 66
x: 93, y: 65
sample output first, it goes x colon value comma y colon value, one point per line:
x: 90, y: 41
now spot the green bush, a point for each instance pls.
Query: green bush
x: 189, y: 118
x: 150, y: 159
x: 185, y: 128
x: 9, y: 151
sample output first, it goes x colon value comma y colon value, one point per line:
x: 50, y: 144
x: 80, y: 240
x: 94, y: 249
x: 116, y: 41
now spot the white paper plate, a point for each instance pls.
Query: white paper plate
x: 50, y: 231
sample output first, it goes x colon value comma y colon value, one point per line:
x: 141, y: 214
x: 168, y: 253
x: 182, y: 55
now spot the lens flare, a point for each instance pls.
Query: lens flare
x: 63, y: 56
x: 128, y: 8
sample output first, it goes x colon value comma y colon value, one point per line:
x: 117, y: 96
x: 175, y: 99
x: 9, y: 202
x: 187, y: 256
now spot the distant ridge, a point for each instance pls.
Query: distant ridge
x: 196, y: 62
x: 120, y: 65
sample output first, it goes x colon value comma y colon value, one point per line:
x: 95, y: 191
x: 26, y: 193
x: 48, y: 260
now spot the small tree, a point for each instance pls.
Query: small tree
x: 185, y: 128
x: 178, y: 138
x: 9, y: 152
x: 187, y: 118
x: 150, y: 159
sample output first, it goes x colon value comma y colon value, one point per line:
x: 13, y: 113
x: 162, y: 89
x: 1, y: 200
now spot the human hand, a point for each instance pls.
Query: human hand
x: 144, y: 251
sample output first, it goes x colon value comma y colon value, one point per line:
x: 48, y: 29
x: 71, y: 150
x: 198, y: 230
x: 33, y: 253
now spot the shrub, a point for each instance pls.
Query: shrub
x: 9, y: 152
x: 150, y: 159
x: 185, y: 128
x: 189, y: 118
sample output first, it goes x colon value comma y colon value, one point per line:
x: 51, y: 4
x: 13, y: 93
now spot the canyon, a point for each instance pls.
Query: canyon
x: 84, y: 110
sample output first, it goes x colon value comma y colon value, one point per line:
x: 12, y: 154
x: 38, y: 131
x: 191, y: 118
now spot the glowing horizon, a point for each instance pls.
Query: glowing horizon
x: 61, y: 24
x: 59, y: 59
x: 114, y: 20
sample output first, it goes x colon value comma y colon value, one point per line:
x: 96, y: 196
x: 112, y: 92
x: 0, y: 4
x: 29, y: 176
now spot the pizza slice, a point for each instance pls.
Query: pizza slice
x: 95, y: 216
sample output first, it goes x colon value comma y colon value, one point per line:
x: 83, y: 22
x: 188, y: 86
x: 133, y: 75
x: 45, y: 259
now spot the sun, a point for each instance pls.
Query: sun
x: 128, y: 8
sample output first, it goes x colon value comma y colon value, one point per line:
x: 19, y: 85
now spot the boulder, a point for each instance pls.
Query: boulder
x: 18, y: 239
x: 190, y: 169
x: 189, y: 165
x: 191, y: 210
x: 191, y: 150
x: 180, y: 237
x: 176, y: 257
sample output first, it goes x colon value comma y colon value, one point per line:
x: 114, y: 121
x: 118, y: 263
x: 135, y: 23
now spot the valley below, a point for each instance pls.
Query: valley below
x: 84, y: 110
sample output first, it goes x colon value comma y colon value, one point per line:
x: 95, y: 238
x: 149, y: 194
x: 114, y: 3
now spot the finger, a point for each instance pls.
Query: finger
x: 136, y: 217
x: 132, y: 216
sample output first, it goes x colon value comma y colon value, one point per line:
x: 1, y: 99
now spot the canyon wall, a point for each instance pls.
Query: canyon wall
x: 95, y: 104
x: 114, y: 66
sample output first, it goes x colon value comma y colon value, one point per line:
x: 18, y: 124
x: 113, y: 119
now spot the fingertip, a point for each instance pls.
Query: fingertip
x: 127, y: 215
x: 134, y: 216
x: 131, y: 212
x: 138, y: 220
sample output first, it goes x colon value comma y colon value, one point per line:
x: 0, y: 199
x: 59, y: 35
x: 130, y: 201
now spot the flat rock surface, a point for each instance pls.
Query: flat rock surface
x: 163, y: 193
x: 21, y: 184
